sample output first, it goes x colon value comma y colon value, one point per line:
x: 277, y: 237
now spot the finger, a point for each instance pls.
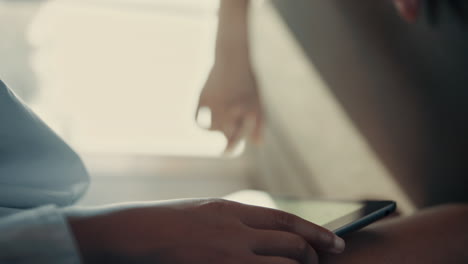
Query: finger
x: 237, y: 115
x: 283, y: 244
x: 408, y: 9
x: 229, y: 128
x: 257, y: 132
x: 236, y: 135
x: 227, y: 120
x: 275, y: 260
x: 271, y: 219
x: 246, y: 126
x: 218, y: 118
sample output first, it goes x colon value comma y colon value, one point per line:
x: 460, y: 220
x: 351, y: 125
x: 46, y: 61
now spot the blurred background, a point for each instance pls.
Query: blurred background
x: 109, y: 75
x: 119, y: 80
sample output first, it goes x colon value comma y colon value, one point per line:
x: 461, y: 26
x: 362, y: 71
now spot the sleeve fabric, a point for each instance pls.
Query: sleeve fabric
x: 36, y: 166
x: 39, y: 173
x: 39, y: 236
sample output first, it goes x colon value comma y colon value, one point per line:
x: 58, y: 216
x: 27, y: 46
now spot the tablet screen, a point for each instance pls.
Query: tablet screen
x: 333, y: 215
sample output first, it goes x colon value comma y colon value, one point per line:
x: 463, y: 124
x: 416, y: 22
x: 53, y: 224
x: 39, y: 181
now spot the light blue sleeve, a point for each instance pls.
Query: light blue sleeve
x: 39, y: 236
x: 39, y: 174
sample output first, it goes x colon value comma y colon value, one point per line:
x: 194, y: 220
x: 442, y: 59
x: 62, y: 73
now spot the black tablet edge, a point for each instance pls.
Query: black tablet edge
x: 366, y: 220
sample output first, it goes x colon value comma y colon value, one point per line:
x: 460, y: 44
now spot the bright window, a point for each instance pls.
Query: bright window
x: 124, y: 75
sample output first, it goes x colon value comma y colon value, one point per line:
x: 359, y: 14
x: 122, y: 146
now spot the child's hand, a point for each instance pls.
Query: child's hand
x: 232, y: 97
x: 408, y: 9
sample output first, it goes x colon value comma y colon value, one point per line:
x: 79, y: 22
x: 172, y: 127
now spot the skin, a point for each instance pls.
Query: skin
x: 231, y: 90
x: 408, y: 9
x: 415, y: 239
x: 198, y: 231
x: 433, y: 234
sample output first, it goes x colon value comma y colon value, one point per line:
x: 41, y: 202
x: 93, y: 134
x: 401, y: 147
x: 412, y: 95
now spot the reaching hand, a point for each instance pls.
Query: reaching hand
x: 409, y: 9
x: 232, y: 96
x: 200, y: 231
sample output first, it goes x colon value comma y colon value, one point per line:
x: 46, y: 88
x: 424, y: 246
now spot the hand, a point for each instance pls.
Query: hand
x: 232, y: 96
x: 199, y: 231
x: 408, y: 9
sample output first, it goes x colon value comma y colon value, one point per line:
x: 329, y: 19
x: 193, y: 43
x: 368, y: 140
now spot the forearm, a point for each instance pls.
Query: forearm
x: 438, y: 235
x: 232, y: 40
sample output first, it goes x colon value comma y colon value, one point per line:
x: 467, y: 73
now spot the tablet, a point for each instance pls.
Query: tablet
x: 341, y: 217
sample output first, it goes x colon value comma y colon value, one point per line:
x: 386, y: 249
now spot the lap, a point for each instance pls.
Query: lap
x: 437, y: 235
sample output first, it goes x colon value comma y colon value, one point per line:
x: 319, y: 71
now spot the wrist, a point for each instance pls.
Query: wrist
x: 232, y: 44
x: 231, y: 63
x: 89, y: 237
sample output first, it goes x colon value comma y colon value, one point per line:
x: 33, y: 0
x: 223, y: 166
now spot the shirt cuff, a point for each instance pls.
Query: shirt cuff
x: 37, y: 236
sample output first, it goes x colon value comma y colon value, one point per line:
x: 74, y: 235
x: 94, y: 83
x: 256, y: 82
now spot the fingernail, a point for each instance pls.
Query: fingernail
x: 409, y: 9
x: 338, y: 245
